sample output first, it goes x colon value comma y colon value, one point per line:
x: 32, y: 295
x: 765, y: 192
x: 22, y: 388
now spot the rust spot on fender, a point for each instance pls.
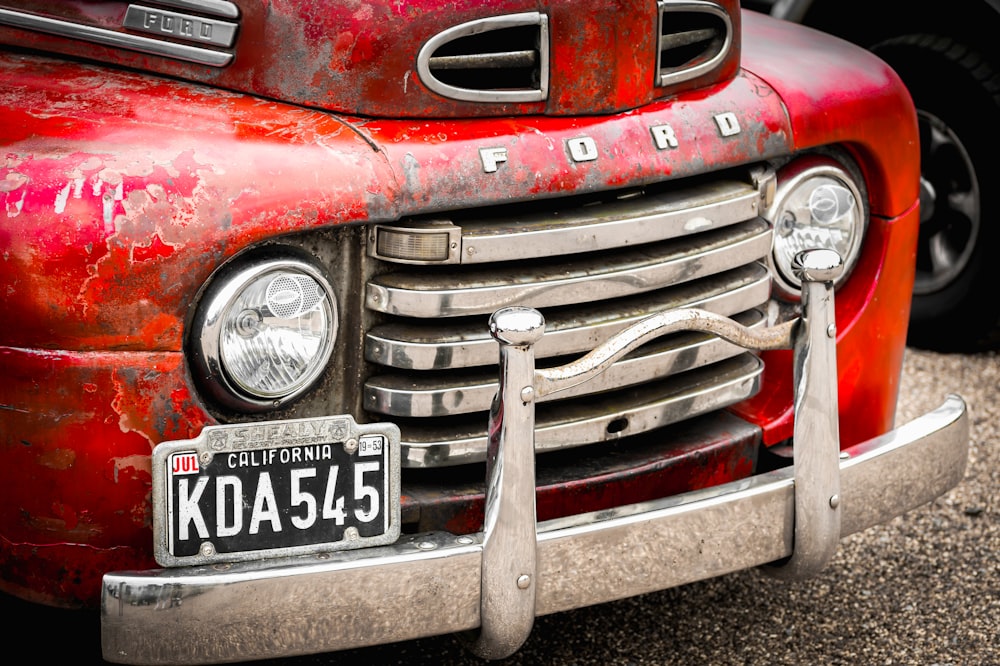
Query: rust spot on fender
x: 67, y: 522
x: 57, y: 458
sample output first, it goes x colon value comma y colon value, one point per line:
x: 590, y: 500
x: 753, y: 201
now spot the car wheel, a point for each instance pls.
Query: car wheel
x: 957, y: 95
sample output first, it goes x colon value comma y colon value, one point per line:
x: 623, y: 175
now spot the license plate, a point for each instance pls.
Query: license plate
x: 259, y: 490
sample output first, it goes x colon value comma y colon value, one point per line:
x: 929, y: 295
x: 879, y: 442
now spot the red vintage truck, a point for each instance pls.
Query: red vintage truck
x: 461, y: 313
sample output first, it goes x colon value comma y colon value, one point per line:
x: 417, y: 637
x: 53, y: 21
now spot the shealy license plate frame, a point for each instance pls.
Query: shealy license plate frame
x: 336, y: 458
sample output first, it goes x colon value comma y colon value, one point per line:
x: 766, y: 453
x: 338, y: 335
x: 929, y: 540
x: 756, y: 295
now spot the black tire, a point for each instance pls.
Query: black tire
x: 956, y: 306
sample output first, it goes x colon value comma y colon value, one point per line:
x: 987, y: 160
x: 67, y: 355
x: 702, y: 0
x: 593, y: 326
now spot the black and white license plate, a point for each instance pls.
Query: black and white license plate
x: 258, y: 490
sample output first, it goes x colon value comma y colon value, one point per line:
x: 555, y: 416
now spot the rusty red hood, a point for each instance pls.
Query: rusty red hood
x: 420, y: 58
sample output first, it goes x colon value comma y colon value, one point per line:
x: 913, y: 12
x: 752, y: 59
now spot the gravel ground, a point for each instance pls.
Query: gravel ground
x: 923, y: 589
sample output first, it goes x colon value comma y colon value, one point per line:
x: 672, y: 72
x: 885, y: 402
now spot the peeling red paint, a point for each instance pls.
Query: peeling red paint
x: 68, y: 516
x: 57, y: 459
x: 130, y: 466
x: 79, y: 492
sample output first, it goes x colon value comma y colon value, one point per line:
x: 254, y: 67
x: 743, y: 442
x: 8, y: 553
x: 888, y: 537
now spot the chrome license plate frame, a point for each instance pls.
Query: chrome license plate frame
x: 302, y: 486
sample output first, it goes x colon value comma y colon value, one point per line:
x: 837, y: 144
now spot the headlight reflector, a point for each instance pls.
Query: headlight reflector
x: 817, y: 205
x: 268, y: 331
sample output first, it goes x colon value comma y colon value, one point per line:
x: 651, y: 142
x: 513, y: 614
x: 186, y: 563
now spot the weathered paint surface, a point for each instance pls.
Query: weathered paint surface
x: 358, y: 57
x: 814, y: 84
x: 124, y: 193
x: 77, y: 432
x: 120, y: 193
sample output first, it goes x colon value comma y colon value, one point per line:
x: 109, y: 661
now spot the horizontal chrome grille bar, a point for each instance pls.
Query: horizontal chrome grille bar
x: 599, y: 418
x: 421, y: 346
x: 627, y: 221
x: 431, y: 293
x: 434, y: 395
x: 526, y: 58
x: 677, y: 40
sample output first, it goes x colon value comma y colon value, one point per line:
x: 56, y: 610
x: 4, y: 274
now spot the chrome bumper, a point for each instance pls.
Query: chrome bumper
x: 498, y: 580
x: 430, y: 584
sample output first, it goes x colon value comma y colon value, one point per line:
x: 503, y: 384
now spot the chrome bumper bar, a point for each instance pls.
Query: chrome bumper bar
x: 498, y: 580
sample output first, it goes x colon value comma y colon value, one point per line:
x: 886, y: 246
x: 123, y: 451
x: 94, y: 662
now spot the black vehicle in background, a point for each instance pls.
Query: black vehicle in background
x: 949, y: 57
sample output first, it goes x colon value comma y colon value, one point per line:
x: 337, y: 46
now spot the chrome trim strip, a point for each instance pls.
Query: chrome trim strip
x: 505, y: 59
x: 414, y: 347
x: 114, y: 39
x: 220, y: 8
x: 611, y: 225
x: 485, y: 25
x: 611, y: 416
x: 429, y: 396
x: 584, y: 281
x: 434, y: 579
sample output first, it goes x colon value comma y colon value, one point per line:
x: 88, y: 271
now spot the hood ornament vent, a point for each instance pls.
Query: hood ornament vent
x: 496, y: 59
x: 694, y: 37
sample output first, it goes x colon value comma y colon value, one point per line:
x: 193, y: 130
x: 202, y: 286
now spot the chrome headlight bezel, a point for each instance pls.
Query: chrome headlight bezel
x: 791, y: 216
x: 216, y: 318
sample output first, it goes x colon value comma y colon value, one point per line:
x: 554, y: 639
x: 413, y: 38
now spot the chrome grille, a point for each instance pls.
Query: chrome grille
x: 592, y: 266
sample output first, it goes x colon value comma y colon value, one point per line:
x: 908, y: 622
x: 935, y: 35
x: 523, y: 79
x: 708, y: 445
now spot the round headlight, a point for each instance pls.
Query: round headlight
x: 267, y: 333
x: 817, y: 205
